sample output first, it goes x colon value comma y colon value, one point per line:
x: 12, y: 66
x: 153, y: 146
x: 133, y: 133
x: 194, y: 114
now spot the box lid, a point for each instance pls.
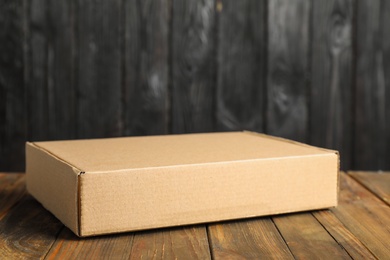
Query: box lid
x: 113, y: 154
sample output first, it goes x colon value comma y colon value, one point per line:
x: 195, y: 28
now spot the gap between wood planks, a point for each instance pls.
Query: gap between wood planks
x: 375, y: 185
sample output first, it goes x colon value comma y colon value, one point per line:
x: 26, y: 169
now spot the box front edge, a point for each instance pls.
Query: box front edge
x: 54, y: 183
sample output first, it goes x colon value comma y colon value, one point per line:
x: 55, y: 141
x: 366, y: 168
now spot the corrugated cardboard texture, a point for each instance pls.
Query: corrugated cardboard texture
x: 147, y: 182
x: 54, y: 183
x: 101, y: 155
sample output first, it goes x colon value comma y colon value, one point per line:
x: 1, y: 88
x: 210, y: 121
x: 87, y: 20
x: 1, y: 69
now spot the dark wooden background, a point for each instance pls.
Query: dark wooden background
x: 310, y: 70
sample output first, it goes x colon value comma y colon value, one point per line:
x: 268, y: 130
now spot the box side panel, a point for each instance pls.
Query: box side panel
x: 151, y: 198
x: 54, y: 184
x: 281, y: 139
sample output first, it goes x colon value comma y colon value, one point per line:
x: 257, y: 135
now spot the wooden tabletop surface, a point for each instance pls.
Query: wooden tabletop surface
x: 359, y: 228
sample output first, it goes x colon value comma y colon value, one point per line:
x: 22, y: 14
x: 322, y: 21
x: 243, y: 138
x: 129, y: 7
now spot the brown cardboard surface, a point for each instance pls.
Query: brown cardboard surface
x: 54, y: 183
x: 139, y: 152
x: 135, y: 183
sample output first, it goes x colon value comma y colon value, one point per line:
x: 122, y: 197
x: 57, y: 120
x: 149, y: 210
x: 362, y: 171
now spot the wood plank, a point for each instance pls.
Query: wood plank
x: 12, y: 90
x: 247, y: 239
x: 27, y: 231
x: 385, y: 43
x: 145, y: 91
x: 372, y: 141
x: 61, y: 117
x: 12, y: 189
x: 307, y: 238
x: 241, y: 78
x: 366, y: 216
x: 288, y: 68
x: 69, y: 246
x: 332, y: 77
x: 49, y: 87
x: 99, y: 68
x: 342, y: 235
x: 193, y: 66
x: 50, y: 70
x: 174, y: 243
x: 376, y: 182
x: 36, y: 66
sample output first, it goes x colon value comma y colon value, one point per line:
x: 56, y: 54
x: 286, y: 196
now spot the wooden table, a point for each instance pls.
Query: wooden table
x: 358, y: 228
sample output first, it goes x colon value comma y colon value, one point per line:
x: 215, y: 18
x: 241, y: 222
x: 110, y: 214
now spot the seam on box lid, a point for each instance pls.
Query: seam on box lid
x: 79, y: 171
x: 75, y: 169
x: 214, y: 163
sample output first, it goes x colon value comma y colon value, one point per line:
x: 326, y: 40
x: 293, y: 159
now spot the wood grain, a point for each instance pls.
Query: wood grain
x: 49, y: 68
x: 12, y: 91
x: 385, y: 21
x: 307, y: 239
x: 61, y: 96
x: 241, y: 75
x: 288, y: 68
x: 176, y: 243
x: 36, y: 70
x: 366, y: 216
x: 99, y: 68
x: 315, y: 71
x: 371, y: 137
x: 247, y: 239
x: 342, y: 235
x: 193, y: 65
x: 332, y: 77
x: 12, y: 189
x: 69, y: 246
x: 145, y: 95
x: 27, y: 231
x: 378, y: 183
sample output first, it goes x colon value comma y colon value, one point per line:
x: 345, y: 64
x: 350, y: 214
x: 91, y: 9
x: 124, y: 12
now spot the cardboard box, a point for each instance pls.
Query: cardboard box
x: 134, y: 183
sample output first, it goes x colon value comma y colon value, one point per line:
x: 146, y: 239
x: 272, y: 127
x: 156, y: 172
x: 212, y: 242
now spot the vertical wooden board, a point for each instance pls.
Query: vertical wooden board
x: 288, y: 70
x: 247, y: 239
x: 193, y: 65
x: 176, y: 243
x: 145, y: 90
x: 3, y: 138
x: 241, y: 65
x: 61, y: 118
x: 331, y: 77
x: 385, y: 16
x: 27, y: 231
x: 307, y: 238
x: 99, y: 68
x: 69, y: 246
x: 49, y: 70
x: 12, y: 90
x: 36, y: 70
x: 370, y: 129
